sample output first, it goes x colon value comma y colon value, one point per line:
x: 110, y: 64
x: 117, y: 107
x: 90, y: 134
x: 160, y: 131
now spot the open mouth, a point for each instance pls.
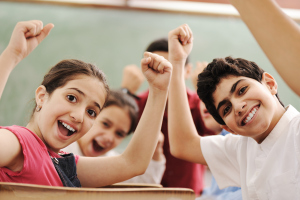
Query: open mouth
x: 250, y: 115
x: 65, y: 129
x: 97, y: 147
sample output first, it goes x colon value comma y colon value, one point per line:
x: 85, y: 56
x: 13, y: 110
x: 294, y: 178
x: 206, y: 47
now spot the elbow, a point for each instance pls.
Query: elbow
x: 140, y: 170
x: 176, y: 152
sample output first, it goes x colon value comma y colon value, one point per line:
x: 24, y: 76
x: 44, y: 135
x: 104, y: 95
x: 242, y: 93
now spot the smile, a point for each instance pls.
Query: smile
x: 250, y: 115
x: 66, y: 129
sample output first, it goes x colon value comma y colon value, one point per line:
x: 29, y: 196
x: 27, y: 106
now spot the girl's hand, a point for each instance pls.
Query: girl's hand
x: 180, y: 44
x: 157, y: 71
x: 25, y: 38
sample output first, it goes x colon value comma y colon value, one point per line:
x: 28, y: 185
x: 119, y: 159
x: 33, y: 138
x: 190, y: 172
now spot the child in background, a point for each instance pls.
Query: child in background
x: 117, y: 120
x: 67, y: 104
x: 262, y: 154
x: 213, y: 192
x: 276, y: 33
x: 178, y: 173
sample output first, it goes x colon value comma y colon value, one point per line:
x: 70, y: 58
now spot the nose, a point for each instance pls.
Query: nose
x: 239, y: 107
x: 108, y: 140
x: 77, y: 114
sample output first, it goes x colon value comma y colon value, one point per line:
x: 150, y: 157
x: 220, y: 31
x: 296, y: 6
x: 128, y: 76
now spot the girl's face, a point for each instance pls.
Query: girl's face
x: 109, y: 130
x: 69, y: 112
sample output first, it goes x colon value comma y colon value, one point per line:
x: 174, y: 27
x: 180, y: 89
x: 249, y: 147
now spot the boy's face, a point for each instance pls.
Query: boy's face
x: 248, y: 107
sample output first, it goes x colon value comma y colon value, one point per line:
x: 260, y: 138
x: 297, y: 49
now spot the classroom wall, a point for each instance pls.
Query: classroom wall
x: 112, y: 39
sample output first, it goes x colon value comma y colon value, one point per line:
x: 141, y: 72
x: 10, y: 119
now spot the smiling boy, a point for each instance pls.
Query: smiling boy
x: 262, y: 156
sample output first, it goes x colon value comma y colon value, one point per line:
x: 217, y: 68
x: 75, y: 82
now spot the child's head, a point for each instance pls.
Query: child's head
x: 117, y: 120
x: 226, y: 86
x: 67, y: 102
x: 160, y: 47
x: 208, y: 120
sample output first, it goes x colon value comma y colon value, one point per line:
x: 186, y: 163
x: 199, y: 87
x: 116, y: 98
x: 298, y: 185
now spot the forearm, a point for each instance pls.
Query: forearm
x: 143, y: 143
x: 276, y: 33
x: 7, y: 64
x: 183, y: 136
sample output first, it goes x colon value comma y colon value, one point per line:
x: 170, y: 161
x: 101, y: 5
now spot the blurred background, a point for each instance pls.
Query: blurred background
x: 115, y: 33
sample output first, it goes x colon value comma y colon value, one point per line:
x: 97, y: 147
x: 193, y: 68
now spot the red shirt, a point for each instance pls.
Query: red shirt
x: 180, y: 173
x: 38, y: 167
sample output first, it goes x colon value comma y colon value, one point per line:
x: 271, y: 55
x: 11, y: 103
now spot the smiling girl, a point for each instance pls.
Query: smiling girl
x: 69, y: 99
x: 116, y: 121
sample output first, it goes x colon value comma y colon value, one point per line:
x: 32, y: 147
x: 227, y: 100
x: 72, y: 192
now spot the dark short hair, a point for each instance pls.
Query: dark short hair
x: 161, y: 45
x: 221, y: 68
x: 67, y: 70
x: 126, y: 102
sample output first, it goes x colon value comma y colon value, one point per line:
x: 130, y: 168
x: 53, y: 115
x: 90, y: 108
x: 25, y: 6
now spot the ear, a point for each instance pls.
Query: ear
x: 270, y: 82
x: 227, y: 129
x: 40, y: 95
x: 188, y: 70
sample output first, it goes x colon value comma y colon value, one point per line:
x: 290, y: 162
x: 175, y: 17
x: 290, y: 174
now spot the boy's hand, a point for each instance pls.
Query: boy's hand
x: 199, y: 68
x: 157, y: 71
x: 132, y: 78
x: 25, y: 38
x: 180, y: 44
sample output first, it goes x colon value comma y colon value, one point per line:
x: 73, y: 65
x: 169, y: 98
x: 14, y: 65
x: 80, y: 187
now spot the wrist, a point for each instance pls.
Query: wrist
x: 126, y: 91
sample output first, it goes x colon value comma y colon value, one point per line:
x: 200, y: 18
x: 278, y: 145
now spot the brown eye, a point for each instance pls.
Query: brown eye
x: 242, y: 90
x: 226, y: 110
x: 71, y: 98
x: 92, y: 113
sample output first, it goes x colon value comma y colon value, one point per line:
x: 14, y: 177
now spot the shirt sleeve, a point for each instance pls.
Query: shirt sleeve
x: 221, y: 155
x: 153, y: 174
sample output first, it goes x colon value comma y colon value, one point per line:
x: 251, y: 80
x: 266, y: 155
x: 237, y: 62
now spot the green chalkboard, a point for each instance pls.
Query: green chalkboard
x: 112, y: 39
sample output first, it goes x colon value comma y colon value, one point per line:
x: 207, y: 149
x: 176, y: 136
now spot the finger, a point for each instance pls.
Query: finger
x: 164, y: 66
x: 156, y: 61
x: 191, y: 34
x: 34, y: 27
x: 187, y: 33
x: 44, y: 32
x: 144, y: 63
x: 182, y: 34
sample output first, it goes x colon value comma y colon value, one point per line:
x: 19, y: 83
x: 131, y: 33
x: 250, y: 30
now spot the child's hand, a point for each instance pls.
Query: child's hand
x: 180, y: 44
x: 199, y: 68
x: 132, y: 78
x: 157, y: 70
x: 25, y: 38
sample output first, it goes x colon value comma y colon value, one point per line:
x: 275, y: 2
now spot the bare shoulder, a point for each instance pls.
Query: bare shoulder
x: 10, y: 150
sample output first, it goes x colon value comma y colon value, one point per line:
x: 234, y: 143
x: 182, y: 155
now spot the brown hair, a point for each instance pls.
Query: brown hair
x: 126, y: 102
x: 221, y: 68
x: 66, y: 70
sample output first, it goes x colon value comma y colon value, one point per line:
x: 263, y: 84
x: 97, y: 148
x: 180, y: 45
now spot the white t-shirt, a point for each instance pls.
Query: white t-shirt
x: 269, y: 170
x: 153, y: 174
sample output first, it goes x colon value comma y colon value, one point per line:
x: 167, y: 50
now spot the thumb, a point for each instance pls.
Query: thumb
x: 145, y: 62
x: 45, y: 32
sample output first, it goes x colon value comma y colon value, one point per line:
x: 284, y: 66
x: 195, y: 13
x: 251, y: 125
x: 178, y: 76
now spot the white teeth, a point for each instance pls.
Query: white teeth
x: 68, y: 127
x: 251, y: 114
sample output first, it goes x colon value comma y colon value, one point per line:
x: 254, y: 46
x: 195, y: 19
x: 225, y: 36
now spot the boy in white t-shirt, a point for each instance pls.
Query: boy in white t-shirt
x: 263, y: 157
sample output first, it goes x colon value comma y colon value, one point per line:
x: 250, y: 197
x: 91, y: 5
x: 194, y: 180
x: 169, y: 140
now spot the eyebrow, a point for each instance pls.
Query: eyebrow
x: 80, y: 92
x: 233, y: 88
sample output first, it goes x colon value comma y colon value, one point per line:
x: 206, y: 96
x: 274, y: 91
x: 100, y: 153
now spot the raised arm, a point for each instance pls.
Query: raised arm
x: 25, y: 38
x: 95, y: 172
x: 276, y: 33
x: 183, y: 136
